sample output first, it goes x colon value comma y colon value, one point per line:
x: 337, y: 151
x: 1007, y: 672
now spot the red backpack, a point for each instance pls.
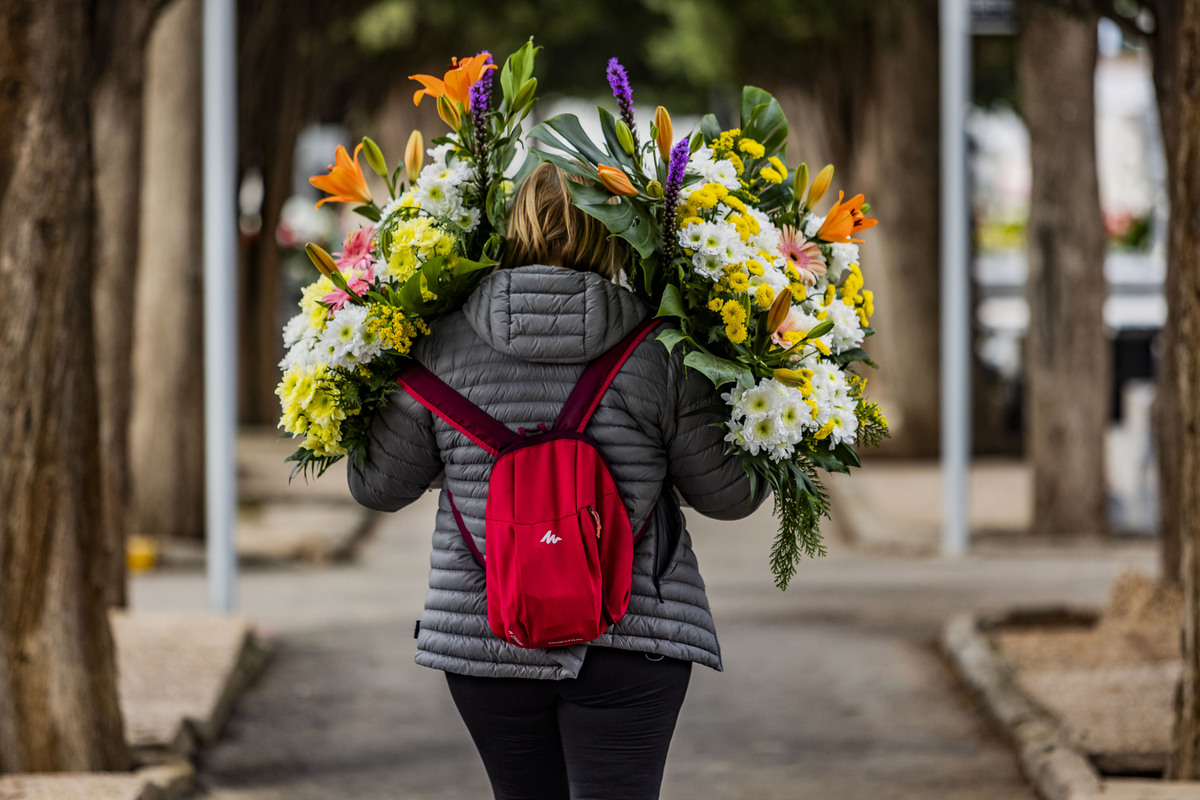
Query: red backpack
x: 558, y: 538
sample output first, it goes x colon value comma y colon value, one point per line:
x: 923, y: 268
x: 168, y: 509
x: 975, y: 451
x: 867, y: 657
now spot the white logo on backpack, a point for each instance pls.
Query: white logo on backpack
x: 550, y: 538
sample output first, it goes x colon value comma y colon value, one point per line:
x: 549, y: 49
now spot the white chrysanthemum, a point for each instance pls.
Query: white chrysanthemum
x: 467, y: 219
x: 441, y: 198
x: 722, y: 171
x: 709, y: 265
x: 693, y: 235
x: 811, y: 224
x: 841, y: 256
x: 795, y: 416
x: 306, y: 352
x: 700, y: 161
x: 437, y: 155
x: 846, y: 333
x: 764, y: 400
x: 296, y: 329
x: 845, y: 425
x: 829, y: 385
x: 348, y: 339
x: 767, y: 238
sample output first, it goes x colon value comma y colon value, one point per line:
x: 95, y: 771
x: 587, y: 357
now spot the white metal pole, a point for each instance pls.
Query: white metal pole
x: 220, y: 299
x: 955, y: 46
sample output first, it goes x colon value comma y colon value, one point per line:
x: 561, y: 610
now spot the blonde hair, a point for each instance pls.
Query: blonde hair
x: 544, y: 227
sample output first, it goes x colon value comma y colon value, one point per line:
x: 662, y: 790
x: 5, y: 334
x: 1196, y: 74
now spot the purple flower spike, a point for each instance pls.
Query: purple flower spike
x: 619, y: 82
x: 481, y: 90
x: 680, y: 154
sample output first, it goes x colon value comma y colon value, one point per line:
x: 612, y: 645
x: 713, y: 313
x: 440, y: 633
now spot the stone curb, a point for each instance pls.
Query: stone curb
x: 1051, y: 761
x: 162, y: 782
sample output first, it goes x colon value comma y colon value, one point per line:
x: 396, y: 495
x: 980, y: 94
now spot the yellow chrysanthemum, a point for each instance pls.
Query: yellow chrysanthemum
x: 764, y: 295
x: 753, y: 267
x: 733, y: 312
x: 737, y: 205
x: 751, y: 148
x: 736, y: 333
x: 738, y: 166
x: 715, y: 304
x: 778, y: 165
x: 739, y: 282
x: 771, y: 175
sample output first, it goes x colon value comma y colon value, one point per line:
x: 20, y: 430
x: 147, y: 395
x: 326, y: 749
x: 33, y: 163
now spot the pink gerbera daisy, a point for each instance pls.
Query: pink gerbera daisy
x: 802, y: 254
x: 356, y: 251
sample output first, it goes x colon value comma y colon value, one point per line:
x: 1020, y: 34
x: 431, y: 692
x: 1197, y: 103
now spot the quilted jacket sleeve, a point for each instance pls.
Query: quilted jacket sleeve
x: 402, y: 456
x: 710, y: 479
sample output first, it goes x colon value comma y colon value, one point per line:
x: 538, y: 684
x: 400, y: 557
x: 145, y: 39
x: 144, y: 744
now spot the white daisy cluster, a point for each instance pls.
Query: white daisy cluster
x: 713, y: 170
x: 438, y: 190
x: 773, y: 417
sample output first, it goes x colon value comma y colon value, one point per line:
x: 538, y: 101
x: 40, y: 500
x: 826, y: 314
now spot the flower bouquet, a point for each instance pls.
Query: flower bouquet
x: 767, y: 293
x: 419, y: 256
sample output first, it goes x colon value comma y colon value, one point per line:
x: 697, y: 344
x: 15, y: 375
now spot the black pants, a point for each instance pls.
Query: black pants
x: 601, y: 736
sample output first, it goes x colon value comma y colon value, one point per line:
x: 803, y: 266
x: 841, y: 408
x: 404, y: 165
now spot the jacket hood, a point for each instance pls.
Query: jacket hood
x: 551, y: 315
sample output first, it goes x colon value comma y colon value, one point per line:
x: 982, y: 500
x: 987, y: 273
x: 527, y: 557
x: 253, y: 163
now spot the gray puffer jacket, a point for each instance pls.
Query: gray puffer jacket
x: 515, y: 350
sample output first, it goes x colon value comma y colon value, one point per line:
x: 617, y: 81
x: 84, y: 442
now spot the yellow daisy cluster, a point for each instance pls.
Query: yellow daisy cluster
x: 774, y: 173
x: 415, y: 241
x: 733, y: 314
x: 704, y: 198
x: 396, y: 331
x: 862, y: 299
x: 310, y: 302
x: 309, y: 396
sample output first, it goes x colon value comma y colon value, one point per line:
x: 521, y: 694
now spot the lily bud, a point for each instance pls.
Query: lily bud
x: 779, y: 311
x: 820, y: 186
x: 625, y: 137
x: 414, y: 155
x: 321, y: 259
x: 697, y: 141
x: 793, y: 377
x: 374, y: 157
x: 662, y: 121
x: 616, y: 181
x: 448, y: 111
x: 525, y: 94
x: 654, y: 189
x: 800, y: 182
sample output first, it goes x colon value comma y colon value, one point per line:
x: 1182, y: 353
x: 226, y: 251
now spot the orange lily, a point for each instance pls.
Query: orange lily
x: 845, y: 219
x: 345, y: 182
x: 457, y: 82
x: 663, y: 121
x: 616, y: 181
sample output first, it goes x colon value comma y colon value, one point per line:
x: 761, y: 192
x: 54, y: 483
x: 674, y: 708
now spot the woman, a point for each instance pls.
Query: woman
x: 587, y: 721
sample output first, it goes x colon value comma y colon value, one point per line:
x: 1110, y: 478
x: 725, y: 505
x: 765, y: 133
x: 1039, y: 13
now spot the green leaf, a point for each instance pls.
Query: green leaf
x: 827, y: 459
x: 847, y: 455
x: 567, y: 126
x: 370, y: 212
x: 710, y: 127
x: 856, y: 354
x: 718, y: 370
x: 671, y: 304
x: 671, y: 337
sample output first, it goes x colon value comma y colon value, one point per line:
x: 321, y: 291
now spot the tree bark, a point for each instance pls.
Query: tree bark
x: 868, y: 103
x: 167, y: 435
x: 1067, y: 364
x: 58, y: 698
x: 122, y: 27
x: 1176, y: 49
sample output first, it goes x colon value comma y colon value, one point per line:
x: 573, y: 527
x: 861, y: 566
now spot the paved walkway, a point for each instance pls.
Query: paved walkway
x: 831, y: 691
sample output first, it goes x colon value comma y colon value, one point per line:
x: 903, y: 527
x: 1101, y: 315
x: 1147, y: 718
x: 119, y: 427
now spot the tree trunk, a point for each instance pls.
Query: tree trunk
x: 58, y: 698
x: 1177, y: 76
x: 122, y: 29
x: 168, y: 422
x: 897, y: 165
x: 1167, y: 50
x: 869, y: 103
x: 1067, y: 364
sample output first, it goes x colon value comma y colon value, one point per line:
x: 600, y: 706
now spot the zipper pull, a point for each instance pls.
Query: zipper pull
x: 595, y: 519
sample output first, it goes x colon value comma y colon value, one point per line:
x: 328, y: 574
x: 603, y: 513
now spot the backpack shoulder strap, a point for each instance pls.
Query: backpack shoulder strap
x: 597, y: 377
x: 464, y: 416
